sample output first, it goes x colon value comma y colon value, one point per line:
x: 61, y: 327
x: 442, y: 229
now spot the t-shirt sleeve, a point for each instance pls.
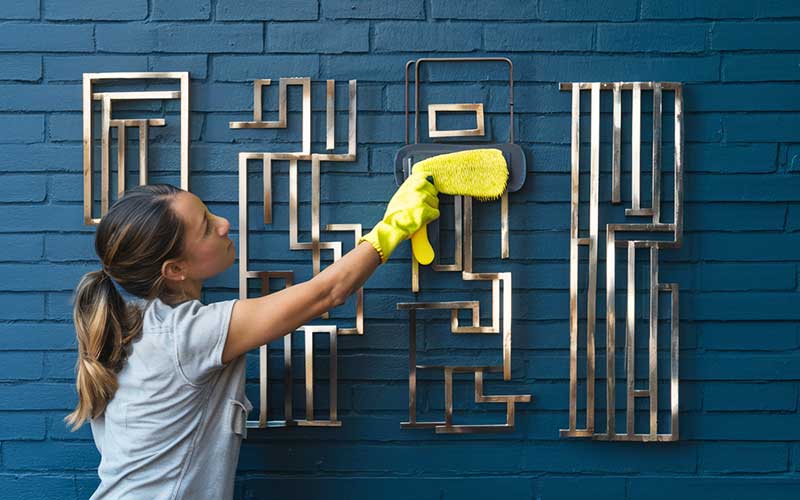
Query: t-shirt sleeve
x: 200, y: 332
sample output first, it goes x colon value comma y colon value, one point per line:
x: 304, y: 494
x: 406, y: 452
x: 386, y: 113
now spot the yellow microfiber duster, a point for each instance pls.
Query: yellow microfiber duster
x: 479, y: 173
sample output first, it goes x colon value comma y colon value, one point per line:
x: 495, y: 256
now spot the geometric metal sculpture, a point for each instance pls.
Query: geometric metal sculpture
x: 108, y: 100
x: 462, y: 262
x: 315, y: 245
x: 629, y: 236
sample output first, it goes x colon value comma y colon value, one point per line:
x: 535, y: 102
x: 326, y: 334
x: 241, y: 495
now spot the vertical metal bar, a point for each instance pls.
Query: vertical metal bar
x: 674, y: 352
x: 656, y: 181
x: 412, y: 366
x: 333, y: 376
x: 630, y: 350
x: 185, y: 123
x: 591, y: 314
x: 678, y: 221
x: 104, y: 145
x: 504, y: 252
x: 306, y: 116
x: 293, y: 202
x: 506, y: 326
x: 263, y: 356
x: 309, y: 366
x: 315, y: 251
x: 121, y: 140
x: 87, y: 149
x: 143, y: 139
x: 288, y: 395
x: 330, y: 114
x: 611, y: 332
x: 258, y: 86
x: 636, y: 144
x: 573, y: 258
x: 616, y: 148
x: 351, y: 119
x: 467, y: 234
x: 243, y: 262
x: 267, y: 185
x: 448, y: 395
x: 653, y: 342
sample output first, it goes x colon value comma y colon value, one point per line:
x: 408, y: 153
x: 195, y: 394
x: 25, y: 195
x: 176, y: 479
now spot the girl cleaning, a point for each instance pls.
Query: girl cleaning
x: 161, y: 378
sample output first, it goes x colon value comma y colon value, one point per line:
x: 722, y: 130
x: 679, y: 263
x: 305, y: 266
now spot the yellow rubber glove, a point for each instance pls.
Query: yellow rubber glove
x: 414, y: 204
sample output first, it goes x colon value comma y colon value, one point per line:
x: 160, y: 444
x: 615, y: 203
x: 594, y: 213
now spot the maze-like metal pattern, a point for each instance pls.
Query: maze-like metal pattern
x: 635, y: 236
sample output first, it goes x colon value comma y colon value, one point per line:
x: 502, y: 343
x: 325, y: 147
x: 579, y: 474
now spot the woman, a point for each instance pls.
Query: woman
x: 161, y: 379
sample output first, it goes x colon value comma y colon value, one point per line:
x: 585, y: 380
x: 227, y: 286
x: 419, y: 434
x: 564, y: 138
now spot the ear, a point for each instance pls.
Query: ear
x: 173, y: 270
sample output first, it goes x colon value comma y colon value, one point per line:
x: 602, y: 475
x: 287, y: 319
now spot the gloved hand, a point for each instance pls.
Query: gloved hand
x: 414, y: 204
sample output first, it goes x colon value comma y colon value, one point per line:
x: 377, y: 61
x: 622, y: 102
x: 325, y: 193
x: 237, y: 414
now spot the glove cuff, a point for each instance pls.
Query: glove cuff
x: 384, y: 239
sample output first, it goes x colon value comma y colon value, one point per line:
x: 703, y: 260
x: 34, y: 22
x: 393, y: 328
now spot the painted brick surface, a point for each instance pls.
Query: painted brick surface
x: 738, y: 267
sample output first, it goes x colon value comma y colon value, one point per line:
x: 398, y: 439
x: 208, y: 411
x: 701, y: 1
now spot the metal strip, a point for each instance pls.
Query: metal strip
x: 309, y: 369
x: 104, y: 145
x: 678, y: 216
x: 611, y: 332
x: 121, y: 170
x: 674, y: 352
x: 87, y: 149
x: 636, y: 144
x: 656, y: 181
x: 185, y: 124
x: 653, y: 341
x: 288, y: 395
x: 330, y: 114
x: 434, y: 109
x: 630, y: 341
x: 591, y: 314
x: 573, y: 260
x: 143, y: 140
x: 617, y: 139
x: 332, y: 383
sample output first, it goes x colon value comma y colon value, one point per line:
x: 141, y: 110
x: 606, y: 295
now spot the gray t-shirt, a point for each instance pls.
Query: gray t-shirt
x: 174, y: 427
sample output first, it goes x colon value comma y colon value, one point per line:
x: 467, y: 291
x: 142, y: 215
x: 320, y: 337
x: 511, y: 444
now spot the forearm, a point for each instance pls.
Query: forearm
x: 350, y: 272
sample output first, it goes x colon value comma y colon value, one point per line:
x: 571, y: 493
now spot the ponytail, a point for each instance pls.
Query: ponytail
x: 104, y: 325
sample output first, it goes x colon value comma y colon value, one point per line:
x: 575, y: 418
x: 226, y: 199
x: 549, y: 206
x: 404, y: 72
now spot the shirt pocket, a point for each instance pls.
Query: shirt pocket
x: 238, y: 411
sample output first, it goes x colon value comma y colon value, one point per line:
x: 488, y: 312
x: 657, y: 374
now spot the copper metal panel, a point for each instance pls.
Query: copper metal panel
x: 613, y: 240
x: 107, y: 100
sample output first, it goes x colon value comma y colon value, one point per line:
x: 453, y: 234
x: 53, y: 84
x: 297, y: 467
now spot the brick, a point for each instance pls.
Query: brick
x: 744, y: 97
x: 44, y: 97
x: 34, y: 336
x: 249, y: 68
x: 656, y: 37
x: 582, y: 457
x: 16, y: 366
x: 20, y: 9
x: 770, y: 188
x: 197, y: 66
x: 20, y: 68
x: 43, y: 218
x: 770, y: 396
x: 732, y: 157
x: 43, y: 456
x: 353, y: 9
x: 210, y: 38
x: 740, y: 366
x: 59, y: 430
x: 40, y: 158
x: 21, y: 247
x: 750, y: 127
x: 586, y: 10
x: 747, y: 276
x: 71, y: 68
x: 266, y: 10
x: 574, y: 488
x: 18, y: 426
x: 767, y: 246
x: 95, y: 10
x: 474, y: 9
x: 23, y: 188
x: 748, y: 337
x: 181, y: 10
x: 755, y: 36
x: 19, y: 306
x: 367, y: 67
x: 717, y: 217
x: 574, y: 68
x: 793, y: 218
x: 32, y: 485
x: 27, y: 277
x: 22, y: 128
x: 771, y: 67
x: 324, y: 38
x: 732, y: 458
x: 59, y: 366
x: 37, y: 396
x: 422, y: 37
x: 714, y: 9
x: 717, y: 488
x: 540, y: 37
x: 18, y: 37
x: 388, y: 488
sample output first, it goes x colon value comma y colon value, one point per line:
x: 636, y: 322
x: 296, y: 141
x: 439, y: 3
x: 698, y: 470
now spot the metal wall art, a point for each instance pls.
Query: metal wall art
x: 629, y: 236
x: 109, y: 100
x: 315, y: 245
x: 463, y: 258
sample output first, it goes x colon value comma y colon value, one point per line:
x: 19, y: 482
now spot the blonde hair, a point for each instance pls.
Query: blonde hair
x: 137, y: 234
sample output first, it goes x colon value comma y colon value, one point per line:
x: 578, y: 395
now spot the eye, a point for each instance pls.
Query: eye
x: 209, y: 225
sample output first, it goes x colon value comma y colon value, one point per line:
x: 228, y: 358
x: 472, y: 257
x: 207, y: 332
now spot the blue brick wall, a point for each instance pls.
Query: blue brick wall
x: 738, y: 268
